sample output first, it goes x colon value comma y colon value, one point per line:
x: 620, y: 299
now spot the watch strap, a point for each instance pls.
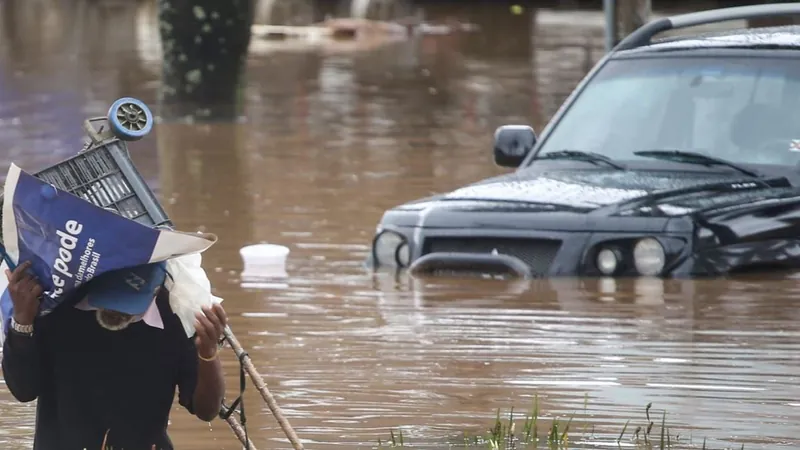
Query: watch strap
x: 21, y: 329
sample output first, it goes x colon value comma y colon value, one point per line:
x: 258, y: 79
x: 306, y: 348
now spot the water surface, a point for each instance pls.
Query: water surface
x: 330, y: 138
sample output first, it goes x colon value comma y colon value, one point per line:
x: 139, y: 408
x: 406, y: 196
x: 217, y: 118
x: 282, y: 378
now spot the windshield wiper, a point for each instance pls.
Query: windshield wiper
x: 695, y: 158
x: 582, y: 156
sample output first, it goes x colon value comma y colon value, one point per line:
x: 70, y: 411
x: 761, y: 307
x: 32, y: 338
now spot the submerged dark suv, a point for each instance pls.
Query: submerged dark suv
x: 676, y: 157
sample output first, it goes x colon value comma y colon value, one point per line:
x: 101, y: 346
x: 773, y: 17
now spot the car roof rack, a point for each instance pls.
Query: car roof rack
x: 642, y: 36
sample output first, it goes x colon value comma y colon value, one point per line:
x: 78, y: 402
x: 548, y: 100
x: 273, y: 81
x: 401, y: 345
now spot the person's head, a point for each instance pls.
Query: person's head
x: 122, y: 297
x: 114, y: 320
x: 117, y: 308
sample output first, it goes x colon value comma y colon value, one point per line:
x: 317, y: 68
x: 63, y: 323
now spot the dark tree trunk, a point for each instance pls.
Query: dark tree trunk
x: 205, y: 46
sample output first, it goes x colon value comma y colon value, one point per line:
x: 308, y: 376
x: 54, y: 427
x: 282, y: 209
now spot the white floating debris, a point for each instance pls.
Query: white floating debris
x: 264, y: 261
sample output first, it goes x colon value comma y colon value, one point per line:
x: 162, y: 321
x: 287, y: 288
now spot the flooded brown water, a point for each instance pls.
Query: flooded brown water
x: 331, y: 138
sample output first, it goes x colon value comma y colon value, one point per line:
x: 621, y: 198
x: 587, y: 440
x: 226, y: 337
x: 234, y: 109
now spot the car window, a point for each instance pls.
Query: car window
x: 740, y: 109
x: 603, y: 131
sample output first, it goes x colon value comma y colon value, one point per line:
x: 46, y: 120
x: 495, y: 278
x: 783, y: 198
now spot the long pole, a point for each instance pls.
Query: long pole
x: 262, y: 389
x: 238, y: 430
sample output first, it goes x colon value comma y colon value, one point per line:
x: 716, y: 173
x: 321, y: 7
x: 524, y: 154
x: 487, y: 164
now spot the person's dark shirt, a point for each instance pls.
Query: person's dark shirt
x: 89, y: 380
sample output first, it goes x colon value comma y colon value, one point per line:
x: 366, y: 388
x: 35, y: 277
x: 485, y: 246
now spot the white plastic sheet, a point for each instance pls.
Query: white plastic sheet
x: 189, y: 289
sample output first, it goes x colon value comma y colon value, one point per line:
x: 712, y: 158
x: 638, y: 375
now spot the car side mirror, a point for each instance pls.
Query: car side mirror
x: 512, y: 143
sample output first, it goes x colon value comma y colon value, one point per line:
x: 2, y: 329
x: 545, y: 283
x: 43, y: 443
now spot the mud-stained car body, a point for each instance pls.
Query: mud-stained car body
x: 677, y: 157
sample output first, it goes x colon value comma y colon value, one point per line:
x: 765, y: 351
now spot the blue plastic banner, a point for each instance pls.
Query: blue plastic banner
x: 70, y: 241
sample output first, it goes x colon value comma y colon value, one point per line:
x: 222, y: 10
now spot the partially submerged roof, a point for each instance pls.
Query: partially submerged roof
x: 769, y: 37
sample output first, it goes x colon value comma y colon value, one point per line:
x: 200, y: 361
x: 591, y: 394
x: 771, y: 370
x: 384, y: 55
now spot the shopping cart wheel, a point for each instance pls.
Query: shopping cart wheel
x: 130, y: 119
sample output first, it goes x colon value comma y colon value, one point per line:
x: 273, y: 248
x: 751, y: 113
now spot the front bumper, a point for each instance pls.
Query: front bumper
x: 529, y: 253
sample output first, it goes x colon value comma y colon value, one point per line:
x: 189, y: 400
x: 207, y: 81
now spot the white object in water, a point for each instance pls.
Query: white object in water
x: 264, y: 261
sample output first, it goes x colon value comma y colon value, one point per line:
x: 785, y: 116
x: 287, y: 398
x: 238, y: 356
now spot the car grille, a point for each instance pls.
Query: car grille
x: 537, y: 254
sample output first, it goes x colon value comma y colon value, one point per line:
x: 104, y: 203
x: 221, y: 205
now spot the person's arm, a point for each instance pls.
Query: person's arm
x: 22, y: 366
x: 210, y: 389
x: 203, y: 386
x: 22, y: 353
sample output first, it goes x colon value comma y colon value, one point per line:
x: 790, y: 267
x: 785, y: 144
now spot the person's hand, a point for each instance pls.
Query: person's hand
x: 209, y: 326
x: 25, y: 290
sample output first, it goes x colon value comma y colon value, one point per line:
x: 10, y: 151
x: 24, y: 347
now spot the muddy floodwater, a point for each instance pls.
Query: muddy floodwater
x: 332, y: 136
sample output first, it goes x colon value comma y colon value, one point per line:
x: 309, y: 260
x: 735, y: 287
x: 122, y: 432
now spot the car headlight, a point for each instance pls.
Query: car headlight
x: 390, y: 249
x: 648, y: 257
x: 608, y: 261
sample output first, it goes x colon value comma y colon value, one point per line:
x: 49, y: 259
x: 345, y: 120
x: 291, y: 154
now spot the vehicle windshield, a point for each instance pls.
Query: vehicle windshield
x: 745, y: 110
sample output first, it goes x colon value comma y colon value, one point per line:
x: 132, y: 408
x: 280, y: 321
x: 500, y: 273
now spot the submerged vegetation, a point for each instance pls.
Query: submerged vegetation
x: 529, y: 432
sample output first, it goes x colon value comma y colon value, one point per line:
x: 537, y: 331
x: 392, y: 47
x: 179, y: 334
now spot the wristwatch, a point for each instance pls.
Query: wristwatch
x: 26, y: 330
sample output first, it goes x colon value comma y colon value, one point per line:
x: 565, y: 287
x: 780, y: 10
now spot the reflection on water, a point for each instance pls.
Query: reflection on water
x: 330, y: 139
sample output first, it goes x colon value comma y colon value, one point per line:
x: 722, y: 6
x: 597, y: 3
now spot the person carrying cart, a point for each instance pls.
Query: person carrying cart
x: 105, y: 376
x: 107, y: 311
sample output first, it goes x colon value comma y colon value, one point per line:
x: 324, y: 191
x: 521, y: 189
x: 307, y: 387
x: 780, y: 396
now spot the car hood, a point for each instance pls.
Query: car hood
x: 644, y: 192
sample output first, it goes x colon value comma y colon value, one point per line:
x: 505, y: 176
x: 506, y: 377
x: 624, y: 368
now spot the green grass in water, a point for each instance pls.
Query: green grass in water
x: 504, y: 435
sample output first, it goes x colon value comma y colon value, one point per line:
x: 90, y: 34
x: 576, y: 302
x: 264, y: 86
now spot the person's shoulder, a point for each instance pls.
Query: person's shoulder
x: 162, y: 301
x: 66, y: 311
x: 172, y: 323
x: 164, y: 309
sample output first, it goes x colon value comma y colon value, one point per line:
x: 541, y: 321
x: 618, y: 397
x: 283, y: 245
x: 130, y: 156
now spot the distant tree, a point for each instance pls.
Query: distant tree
x: 205, y: 45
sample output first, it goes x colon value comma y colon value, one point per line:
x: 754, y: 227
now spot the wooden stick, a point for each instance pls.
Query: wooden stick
x: 262, y: 389
x: 238, y: 430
